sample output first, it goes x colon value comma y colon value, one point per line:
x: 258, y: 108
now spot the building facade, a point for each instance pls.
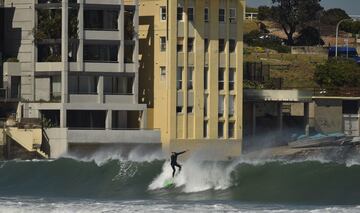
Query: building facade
x: 78, y: 64
x: 191, y: 70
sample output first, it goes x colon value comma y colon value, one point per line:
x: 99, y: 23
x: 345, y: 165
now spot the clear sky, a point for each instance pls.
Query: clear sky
x: 352, y: 7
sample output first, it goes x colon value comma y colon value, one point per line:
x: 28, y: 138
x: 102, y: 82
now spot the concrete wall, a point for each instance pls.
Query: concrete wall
x: 58, y: 141
x: 328, y: 116
x: 114, y: 136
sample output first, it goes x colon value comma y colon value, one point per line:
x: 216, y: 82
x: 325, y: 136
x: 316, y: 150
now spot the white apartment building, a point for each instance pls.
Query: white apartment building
x: 78, y: 65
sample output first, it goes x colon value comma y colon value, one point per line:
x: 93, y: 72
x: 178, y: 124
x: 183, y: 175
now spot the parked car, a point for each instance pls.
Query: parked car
x: 345, y: 52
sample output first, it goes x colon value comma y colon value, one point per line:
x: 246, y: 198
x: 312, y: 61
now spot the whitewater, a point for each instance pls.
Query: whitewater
x: 109, y: 181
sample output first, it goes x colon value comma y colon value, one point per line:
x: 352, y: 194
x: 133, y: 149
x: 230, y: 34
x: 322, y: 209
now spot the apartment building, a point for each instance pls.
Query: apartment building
x: 191, y: 71
x: 78, y: 65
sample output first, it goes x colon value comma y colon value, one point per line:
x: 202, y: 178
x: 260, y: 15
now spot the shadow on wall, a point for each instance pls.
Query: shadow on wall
x: 146, y: 75
x: 12, y: 36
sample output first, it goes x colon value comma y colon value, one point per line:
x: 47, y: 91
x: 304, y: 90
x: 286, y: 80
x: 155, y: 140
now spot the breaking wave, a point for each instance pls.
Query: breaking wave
x: 115, y: 177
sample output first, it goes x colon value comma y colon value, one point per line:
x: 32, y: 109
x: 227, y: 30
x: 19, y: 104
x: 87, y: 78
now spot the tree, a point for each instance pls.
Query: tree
x: 333, y: 16
x: 291, y: 14
x: 351, y: 27
x: 309, y: 36
x: 338, y: 73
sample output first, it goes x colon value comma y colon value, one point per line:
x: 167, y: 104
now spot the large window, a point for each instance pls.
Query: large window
x: 190, y: 78
x: 101, y: 19
x: 190, y: 14
x: 101, y: 53
x: 163, y: 14
x: 179, y: 77
x: 222, y: 15
x: 221, y: 78
x: 83, y: 84
x: 121, y: 85
x: 180, y: 11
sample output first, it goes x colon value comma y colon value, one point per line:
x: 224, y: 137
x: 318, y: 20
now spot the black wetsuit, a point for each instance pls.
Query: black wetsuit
x: 174, y: 163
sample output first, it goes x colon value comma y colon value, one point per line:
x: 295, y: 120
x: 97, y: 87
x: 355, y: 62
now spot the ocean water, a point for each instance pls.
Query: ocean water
x: 108, y: 182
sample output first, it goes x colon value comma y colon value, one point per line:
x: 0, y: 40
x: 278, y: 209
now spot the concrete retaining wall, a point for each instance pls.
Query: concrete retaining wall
x: 309, y: 50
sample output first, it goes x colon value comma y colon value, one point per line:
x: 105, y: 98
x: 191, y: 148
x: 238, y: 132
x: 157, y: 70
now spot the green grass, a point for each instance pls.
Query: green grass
x: 298, y: 70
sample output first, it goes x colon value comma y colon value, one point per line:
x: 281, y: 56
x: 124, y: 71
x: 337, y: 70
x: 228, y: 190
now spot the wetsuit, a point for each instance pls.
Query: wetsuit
x: 174, y: 163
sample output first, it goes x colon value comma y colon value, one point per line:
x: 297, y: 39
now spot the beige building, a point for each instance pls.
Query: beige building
x: 191, y: 71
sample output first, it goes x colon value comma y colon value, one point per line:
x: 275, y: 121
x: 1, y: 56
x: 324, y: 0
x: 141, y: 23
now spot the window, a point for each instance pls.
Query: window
x: 232, y: 15
x: 162, y: 71
x: 101, y: 53
x: 206, y: 78
x: 221, y: 78
x: 221, y: 15
x: 162, y: 44
x: 179, y: 78
x: 221, y: 130
x: 206, y: 124
x: 231, y: 130
x: 179, y: 13
x: 206, y: 99
x: 221, y: 106
x: 221, y: 45
x: 180, y: 44
x: 190, y: 109
x: 190, y: 78
x: 231, y: 79
x: 191, y: 14
x: 231, y: 105
x: 179, y: 109
x: 206, y: 45
x: 232, y: 45
x: 163, y: 14
x: 206, y: 14
x: 190, y: 44
x: 118, y: 85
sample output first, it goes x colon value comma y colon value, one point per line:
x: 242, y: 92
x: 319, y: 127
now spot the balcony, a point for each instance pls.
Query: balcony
x: 102, y: 35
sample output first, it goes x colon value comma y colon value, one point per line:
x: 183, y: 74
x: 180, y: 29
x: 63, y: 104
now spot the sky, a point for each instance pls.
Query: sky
x: 352, y: 7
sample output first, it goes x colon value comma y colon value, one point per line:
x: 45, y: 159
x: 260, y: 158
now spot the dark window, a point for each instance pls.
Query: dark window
x: 101, y: 19
x: 221, y: 15
x: 189, y: 109
x: 163, y: 14
x: 231, y: 130
x: 179, y: 13
x: 83, y: 84
x: 231, y: 79
x: 350, y: 107
x: 206, y: 77
x: 190, y: 44
x: 221, y: 129
x: 180, y: 44
x: 206, y: 14
x: 206, y: 45
x: 191, y: 14
x: 232, y: 45
x: 179, y: 109
x: 221, y: 45
x: 221, y: 78
x: 101, y: 53
x: 118, y: 85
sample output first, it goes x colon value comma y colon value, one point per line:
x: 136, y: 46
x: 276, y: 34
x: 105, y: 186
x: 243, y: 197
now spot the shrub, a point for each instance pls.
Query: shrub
x: 338, y: 73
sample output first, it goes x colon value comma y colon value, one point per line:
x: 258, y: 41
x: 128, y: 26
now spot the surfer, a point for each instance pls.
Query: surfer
x: 174, y: 162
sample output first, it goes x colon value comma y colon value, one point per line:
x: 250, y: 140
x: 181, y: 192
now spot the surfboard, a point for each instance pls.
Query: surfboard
x: 169, y: 183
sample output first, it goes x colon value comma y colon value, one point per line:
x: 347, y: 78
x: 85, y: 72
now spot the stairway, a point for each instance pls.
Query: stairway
x: 29, y: 139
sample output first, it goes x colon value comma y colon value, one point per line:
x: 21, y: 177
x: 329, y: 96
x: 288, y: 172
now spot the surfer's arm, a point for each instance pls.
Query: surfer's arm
x: 179, y: 153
